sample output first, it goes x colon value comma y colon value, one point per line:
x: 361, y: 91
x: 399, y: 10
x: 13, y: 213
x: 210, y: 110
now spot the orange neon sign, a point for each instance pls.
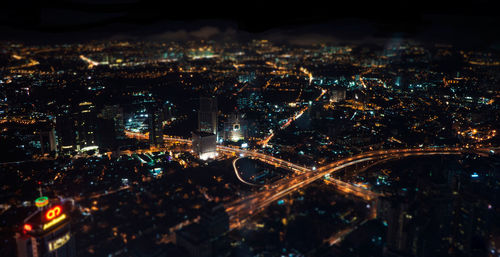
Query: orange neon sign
x: 53, y: 212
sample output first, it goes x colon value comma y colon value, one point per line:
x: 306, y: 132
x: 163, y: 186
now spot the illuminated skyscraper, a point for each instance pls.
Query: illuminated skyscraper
x: 85, y: 121
x: 205, y: 138
x: 207, y: 115
x: 66, y: 135
x: 156, y: 118
x: 46, y: 232
x: 204, y: 145
x: 235, y: 128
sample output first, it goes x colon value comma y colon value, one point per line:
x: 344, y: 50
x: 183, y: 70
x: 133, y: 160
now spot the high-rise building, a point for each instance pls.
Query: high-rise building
x: 76, y: 129
x: 471, y: 221
x: 106, y: 137
x: 422, y: 222
x: 114, y: 113
x: 66, y: 133
x: 205, y: 138
x: 337, y: 95
x: 168, y: 110
x: 85, y: 121
x: 46, y: 232
x: 156, y: 118
x: 398, y: 218
x: 207, y: 115
x: 415, y: 229
x: 247, y: 78
x: 400, y: 81
x: 48, y: 142
x: 249, y: 100
x: 110, y: 127
x: 236, y: 128
x: 204, y: 145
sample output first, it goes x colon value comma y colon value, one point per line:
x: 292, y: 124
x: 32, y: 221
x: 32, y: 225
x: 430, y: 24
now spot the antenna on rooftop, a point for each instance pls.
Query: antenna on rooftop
x: 40, y: 188
x: 41, y: 201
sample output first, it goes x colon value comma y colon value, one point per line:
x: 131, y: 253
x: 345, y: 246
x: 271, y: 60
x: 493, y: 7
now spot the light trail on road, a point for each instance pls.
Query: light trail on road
x: 91, y: 63
x: 238, y: 174
x: 264, y: 142
x: 242, y: 209
x: 245, y: 207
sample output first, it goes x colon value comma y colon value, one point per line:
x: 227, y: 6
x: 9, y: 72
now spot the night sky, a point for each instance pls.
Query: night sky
x: 472, y: 23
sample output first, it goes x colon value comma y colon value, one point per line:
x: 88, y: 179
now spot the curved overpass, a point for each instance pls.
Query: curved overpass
x: 237, y: 173
x: 240, y: 210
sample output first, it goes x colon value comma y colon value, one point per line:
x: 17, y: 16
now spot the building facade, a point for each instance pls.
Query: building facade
x: 156, y: 118
x: 204, y: 145
x: 47, y: 231
x: 207, y: 115
x: 236, y: 128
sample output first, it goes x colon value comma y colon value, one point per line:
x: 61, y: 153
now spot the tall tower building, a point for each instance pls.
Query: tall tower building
x: 204, y: 145
x: 205, y: 138
x: 114, y: 113
x: 66, y: 133
x: 207, y: 115
x: 110, y: 126
x: 48, y: 142
x: 46, y: 232
x: 236, y: 128
x: 85, y: 125
x: 399, y: 221
x: 156, y: 119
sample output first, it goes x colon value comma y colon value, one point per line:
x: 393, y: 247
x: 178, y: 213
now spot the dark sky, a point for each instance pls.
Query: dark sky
x: 473, y: 23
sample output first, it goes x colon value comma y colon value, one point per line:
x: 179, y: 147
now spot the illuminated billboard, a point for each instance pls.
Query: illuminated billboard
x: 54, y: 222
x: 57, y: 243
x: 53, y: 212
x: 53, y: 216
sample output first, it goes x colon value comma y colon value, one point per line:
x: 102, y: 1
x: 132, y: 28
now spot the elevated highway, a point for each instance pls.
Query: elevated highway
x: 241, y: 209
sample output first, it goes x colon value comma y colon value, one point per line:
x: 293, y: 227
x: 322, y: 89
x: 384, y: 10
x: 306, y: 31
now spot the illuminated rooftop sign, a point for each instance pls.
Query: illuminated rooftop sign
x: 54, y: 216
x: 54, y: 222
x: 53, y: 212
x: 57, y: 243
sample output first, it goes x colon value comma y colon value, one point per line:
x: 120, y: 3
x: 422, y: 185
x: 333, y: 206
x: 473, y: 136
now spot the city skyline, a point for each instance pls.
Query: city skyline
x: 131, y: 131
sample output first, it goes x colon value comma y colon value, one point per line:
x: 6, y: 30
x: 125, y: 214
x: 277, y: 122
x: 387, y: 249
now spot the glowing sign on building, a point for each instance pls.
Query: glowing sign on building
x: 53, y: 215
x: 53, y: 212
x: 57, y: 243
x: 54, y: 222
